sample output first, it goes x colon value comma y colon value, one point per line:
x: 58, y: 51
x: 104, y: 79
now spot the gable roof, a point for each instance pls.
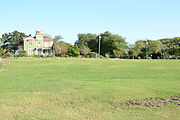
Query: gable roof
x: 28, y: 38
x: 32, y: 38
x: 47, y: 39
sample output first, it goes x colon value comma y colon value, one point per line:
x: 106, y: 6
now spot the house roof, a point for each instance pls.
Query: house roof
x: 31, y: 38
x: 47, y: 39
x: 28, y: 38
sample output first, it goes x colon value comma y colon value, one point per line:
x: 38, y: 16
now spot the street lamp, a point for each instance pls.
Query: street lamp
x: 146, y: 48
x: 99, y: 45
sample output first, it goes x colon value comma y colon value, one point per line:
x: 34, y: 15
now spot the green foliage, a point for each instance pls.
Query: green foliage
x: 84, y: 50
x: 61, y: 48
x: 73, y: 51
x: 5, y: 54
x: 111, y: 44
x: 83, y: 39
x: 57, y: 38
x: 169, y: 47
x: 139, y: 49
x: 155, y: 49
x: 1, y: 52
x: 22, y: 53
x: 47, y: 36
x: 93, y: 55
x: 12, y: 40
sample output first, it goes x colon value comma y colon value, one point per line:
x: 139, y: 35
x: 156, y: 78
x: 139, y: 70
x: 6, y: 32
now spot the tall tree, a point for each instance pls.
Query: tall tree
x: 1, y: 42
x: 138, y: 48
x: 12, y: 40
x: 157, y: 49
x: 57, y: 38
x: 113, y: 44
x: 83, y: 39
x: 73, y: 51
x: 172, y: 47
x: 61, y: 48
x: 84, y: 50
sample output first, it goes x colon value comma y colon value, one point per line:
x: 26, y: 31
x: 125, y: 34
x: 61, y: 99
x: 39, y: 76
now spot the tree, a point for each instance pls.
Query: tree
x: 47, y: 36
x: 93, y: 44
x: 111, y: 44
x: 172, y: 47
x: 119, y: 46
x: 12, y: 40
x: 84, y: 50
x: 1, y: 41
x: 73, y: 51
x: 57, y: 38
x: 83, y: 39
x: 61, y: 48
x: 138, y: 48
x: 157, y: 49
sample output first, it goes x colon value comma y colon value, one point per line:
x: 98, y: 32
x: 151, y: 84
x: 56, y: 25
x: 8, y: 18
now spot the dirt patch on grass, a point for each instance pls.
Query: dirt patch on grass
x: 3, y: 62
x: 7, y: 60
x: 149, y: 102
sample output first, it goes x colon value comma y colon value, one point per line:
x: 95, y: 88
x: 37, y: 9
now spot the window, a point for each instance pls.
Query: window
x: 30, y: 52
x: 30, y: 43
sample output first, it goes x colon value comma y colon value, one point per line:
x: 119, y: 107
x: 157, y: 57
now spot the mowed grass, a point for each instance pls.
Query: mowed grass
x: 87, y: 89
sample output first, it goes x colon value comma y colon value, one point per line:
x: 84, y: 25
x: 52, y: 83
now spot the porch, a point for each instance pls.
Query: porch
x: 44, y: 51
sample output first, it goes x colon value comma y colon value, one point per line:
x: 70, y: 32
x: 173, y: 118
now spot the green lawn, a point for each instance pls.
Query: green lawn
x: 87, y: 89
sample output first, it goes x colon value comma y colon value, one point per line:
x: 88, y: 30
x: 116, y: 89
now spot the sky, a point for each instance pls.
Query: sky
x: 132, y: 19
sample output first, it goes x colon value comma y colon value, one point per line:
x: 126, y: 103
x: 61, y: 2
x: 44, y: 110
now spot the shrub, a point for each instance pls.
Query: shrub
x: 22, y: 54
x: 2, y: 53
x: 8, y: 54
x: 38, y: 56
x: 93, y: 55
x: 73, y: 51
x: 61, y: 55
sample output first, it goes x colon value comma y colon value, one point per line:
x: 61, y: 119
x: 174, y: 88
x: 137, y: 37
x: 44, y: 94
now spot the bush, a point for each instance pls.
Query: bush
x: 22, y: 54
x: 5, y: 54
x: 73, y: 51
x: 38, y: 56
x: 8, y: 54
x: 64, y: 55
x: 1, y: 53
x: 61, y: 55
x: 93, y: 55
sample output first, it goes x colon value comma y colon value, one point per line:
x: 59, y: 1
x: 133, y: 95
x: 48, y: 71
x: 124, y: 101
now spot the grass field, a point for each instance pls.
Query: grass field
x: 87, y: 89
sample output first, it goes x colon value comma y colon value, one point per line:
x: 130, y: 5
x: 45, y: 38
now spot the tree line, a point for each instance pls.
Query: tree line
x: 105, y: 44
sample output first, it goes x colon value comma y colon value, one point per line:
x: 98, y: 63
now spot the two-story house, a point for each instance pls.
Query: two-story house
x: 38, y: 45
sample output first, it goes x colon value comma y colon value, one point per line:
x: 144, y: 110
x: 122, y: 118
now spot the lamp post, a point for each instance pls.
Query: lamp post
x: 146, y: 48
x: 99, y: 45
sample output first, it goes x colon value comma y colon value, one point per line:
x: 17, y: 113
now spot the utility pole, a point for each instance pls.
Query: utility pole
x: 146, y: 48
x: 99, y: 45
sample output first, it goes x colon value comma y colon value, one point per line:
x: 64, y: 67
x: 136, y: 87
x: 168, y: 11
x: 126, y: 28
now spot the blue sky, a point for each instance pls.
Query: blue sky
x: 133, y: 19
